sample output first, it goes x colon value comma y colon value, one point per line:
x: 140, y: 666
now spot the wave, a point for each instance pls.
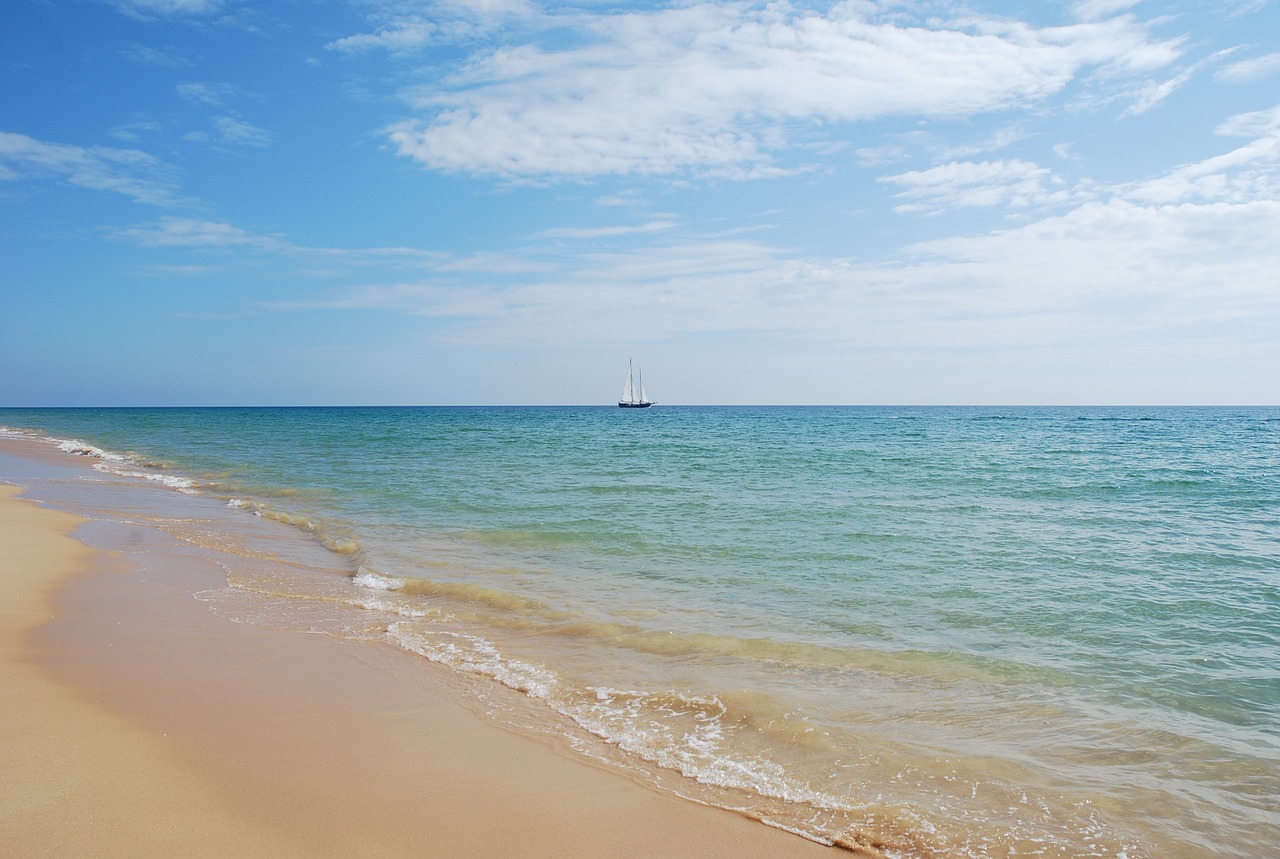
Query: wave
x: 719, y: 748
x: 502, y: 601
x: 127, y: 465
x: 676, y: 731
x: 121, y: 465
x: 504, y: 610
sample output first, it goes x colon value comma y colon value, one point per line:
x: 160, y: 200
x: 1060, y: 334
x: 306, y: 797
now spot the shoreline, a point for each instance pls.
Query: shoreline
x: 136, y: 722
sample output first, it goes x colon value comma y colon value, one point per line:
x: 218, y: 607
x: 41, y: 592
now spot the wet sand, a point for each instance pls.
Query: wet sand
x: 134, y: 722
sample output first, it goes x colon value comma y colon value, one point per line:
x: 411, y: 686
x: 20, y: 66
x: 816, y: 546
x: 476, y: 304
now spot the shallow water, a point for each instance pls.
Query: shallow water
x: 935, y: 631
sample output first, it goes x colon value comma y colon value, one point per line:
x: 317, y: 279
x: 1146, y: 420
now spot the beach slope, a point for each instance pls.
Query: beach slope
x: 75, y: 779
x: 135, y: 722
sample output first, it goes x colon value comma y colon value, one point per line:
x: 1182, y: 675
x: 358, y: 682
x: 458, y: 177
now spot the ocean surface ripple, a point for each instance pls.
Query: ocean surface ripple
x: 909, y: 631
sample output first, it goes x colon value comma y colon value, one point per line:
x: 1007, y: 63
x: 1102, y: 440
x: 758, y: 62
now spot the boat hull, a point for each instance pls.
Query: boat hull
x: 634, y: 405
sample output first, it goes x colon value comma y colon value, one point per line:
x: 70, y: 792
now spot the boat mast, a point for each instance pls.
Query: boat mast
x: 629, y: 390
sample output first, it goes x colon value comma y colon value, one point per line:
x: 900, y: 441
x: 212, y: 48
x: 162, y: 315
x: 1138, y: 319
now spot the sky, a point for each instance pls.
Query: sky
x: 216, y: 202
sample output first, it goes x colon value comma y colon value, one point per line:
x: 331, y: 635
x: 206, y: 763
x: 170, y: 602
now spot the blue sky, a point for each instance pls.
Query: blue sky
x: 501, y: 201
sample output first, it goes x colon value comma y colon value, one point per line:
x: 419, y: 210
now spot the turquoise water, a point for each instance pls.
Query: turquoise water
x: 943, y: 631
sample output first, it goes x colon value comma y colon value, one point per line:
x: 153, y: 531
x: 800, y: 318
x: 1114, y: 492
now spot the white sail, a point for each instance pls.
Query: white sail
x: 629, y: 389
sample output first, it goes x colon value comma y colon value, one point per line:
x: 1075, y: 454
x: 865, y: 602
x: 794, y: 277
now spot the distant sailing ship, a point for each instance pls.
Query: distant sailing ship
x: 629, y: 398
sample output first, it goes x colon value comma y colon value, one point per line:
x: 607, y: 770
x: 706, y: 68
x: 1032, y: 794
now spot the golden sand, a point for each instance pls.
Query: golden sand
x: 76, y: 780
x: 133, y: 722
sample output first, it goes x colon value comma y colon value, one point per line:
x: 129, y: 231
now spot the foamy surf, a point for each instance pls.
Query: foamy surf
x: 119, y: 465
x: 475, y: 655
x: 367, y: 578
x: 80, y: 448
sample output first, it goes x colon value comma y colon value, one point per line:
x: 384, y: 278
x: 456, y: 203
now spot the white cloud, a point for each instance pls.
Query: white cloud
x: 1252, y: 70
x: 719, y: 89
x: 236, y: 132
x: 1248, y: 173
x: 1245, y: 174
x: 1115, y: 273
x: 174, y: 232
x: 133, y: 131
x: 607, y: 232
x: 122, y: 171
x: 1105, y: 275
x: 968, y: 184
x: 149, y: 55
x: 1247, y: 7
x: 1152, y: 93
x: 227, y: 130
x: 189, y: 232
x: 148, y: 9
x: 401, y: 36
x: 493, y: 263
x: 939, y: 147
x: 231, y: 131
x: 1065, y: 151
x: 214, y: 95
x: 405, y: 27
x: 1091, y: 10
x: 1258, y: 123
x: 441, y: 300
x: 489, y: 8
x: 1182, y: 275
x: 624, y: 198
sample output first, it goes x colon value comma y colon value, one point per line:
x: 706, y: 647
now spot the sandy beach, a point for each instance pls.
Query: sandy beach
x: 134, y: 722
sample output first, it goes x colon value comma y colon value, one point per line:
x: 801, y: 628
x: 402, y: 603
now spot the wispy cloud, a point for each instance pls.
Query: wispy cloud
x: 1257, y: 123
x: 130, y: 172
x: 1248, y: 173
x: 1251, y: 70
x: 723, y: 90
x: 132, y: 131
x: 1153, y: 93
x: 401, y: 36
x: 191, y: 232
x: 1115, y: 271
x: 212, y: 94
x: 237, y: 132
x: 403, y: 28
x: 218, y: 236
x: 149, y: 55
x: 607, y: 232
x: 1091, y: 10
x: 968, y: 184
x: 936, y: 147
x: 231, y: 131
x: 151, y: 9
x: 440, y: 300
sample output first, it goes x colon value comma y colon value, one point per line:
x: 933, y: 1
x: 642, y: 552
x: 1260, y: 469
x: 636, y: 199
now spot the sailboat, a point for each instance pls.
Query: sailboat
x: 629, y: 398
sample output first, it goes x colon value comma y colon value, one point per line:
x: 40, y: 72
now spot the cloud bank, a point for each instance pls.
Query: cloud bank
x: 727, y: 90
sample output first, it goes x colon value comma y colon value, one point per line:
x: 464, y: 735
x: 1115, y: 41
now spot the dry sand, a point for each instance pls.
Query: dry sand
x: 133, y: 722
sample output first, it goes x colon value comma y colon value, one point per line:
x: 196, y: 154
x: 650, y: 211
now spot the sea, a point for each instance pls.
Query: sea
x: 906, y: 631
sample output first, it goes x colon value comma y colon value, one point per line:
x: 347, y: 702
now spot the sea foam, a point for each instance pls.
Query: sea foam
x: 367, y: 578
